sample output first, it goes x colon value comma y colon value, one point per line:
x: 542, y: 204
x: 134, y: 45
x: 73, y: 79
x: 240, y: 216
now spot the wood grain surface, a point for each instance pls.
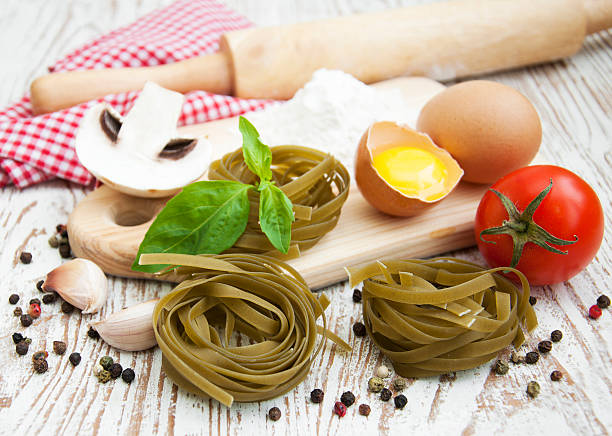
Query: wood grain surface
x: 574, y: 100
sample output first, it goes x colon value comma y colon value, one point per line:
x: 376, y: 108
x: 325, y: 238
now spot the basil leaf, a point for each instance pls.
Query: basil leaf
x: 257, y: 155
x: 206, y: 217
x: 275, y: 216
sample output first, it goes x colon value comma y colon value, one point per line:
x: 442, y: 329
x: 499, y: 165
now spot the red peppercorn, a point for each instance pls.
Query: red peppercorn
x: 595, y: 311
x: 339, y: 409
x: 34, y: 310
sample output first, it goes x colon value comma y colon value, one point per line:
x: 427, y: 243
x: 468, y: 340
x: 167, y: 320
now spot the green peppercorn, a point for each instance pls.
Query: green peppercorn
x: 347, y: 398
x: 516, y: 358
x: 400, y: 401
x: 274, y: 414
x: 128, y: 375
x: 556, y: 375
x: 59, y: 347
x: 53, y: 241
x: 26, y: 320
x: 25, y: 257
x: 556, y: 335
x: 385, y: 394
x: 501, y: 367
x: 104, y: 376
x: 532, y: 357
x: 22, y: 348
x: 106, y: 362
x: 364, y: 409
x: 75, y: 359
x: 400, y: 384
x: 13, y: 299
x: 39, y: 355
x: 316, y: 396
x: 18, y: 311
x: 39, y: 285
x: 27, y: 341
x: 533, y: 389
x: 40, y: 365
x: 115, y: 370
x: 375, y: 384
x: 545, y: 347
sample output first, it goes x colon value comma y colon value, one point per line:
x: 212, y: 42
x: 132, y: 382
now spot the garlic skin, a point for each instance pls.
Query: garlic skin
x: 80, y: 282
x: 130, y: 329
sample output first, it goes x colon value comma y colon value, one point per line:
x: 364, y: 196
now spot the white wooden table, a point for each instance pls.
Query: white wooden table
x: 574, y: 100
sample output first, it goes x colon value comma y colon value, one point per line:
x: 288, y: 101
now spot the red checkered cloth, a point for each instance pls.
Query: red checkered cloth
x: 38, y: 148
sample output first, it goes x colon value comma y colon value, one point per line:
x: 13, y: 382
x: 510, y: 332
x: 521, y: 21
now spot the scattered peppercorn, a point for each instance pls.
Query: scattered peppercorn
x: 53, y: 242
x: 347, y: 398
x: 75, y: 359
x: 382, y: 371
x: 501, y: 367
x: 40, y: 355
x: 316, y: 396
x: 26, y: 320
x: 533, y: 389
x: 22, y: 348
x: 594, y: 311
x: 40, y: 365
x: 64, y: 250
x: 97, y: 369
x: 93, y: 334
x: 339, y: 409
x: 59, y: 347
x: 60, y: 228
x: 274, y: 414
x: 399, y: 384
x: 375, y: 384
x: 364, y: 409
x: 14, y: 298
x: 556, y: 335
x: 532, y: 357
x: 556, y: 375
x: 27, y: 340
x: 34, y: 310
x: 18, y: 311
x: 106, y: 362
x: 115, y: 370
x: 359, y: 329
x: 25, y: 257
x: 39, y: 285
x: 104, y: 376
x: 516, y: 358
x: 128, y: 375
x: 67, y: 307
x: 49, y: 298
x: 17, y: 337
x: 603, y: 301
x: 35, y: 301
x: 400, y: 401
x: 385, y: 394
x: 533, y: 300
x: 356, y: 295
x: 545, y: 347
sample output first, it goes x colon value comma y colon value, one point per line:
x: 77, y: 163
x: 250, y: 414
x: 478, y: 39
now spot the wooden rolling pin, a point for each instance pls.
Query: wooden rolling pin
x: 443, y: 40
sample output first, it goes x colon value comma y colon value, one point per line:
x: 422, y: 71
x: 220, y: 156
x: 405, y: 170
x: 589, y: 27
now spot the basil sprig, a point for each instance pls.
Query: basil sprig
x: 208, y: 217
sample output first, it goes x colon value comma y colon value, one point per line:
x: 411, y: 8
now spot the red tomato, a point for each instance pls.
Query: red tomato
x: 570, y: 210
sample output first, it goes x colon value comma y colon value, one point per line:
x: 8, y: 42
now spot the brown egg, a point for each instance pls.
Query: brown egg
x: 490, y: 128
x: 401, y: 172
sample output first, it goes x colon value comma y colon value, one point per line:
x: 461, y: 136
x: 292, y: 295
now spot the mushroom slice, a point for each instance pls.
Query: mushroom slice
x: 142, y: 154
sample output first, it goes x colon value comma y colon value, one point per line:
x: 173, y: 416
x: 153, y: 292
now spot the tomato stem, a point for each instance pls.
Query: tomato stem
x: 521, y: 227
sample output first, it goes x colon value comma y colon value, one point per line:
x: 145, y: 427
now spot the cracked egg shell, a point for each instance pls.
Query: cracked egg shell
x: 386, y: 137
x: 140, y: 154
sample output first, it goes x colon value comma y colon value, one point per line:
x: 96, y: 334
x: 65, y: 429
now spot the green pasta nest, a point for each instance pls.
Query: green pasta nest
x: 440, y: 315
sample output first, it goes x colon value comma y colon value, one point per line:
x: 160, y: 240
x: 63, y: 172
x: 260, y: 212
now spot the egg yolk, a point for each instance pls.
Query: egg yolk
x: 413, y: 171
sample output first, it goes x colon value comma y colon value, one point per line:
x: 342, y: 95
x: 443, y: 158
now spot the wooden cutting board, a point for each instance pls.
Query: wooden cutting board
x: 107, y: 226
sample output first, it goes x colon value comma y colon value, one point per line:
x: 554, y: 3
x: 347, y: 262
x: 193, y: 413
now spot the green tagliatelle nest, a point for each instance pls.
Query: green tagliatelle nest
x: 255, y: 296
x: 315, y: 182
x: 440, y: 315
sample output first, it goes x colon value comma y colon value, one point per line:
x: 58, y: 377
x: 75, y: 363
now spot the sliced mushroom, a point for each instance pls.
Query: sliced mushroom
x: 142, y: 153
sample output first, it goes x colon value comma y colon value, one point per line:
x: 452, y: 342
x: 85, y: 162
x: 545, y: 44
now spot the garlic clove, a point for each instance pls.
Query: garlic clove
x: 80, y: 282
x: 130, y: 329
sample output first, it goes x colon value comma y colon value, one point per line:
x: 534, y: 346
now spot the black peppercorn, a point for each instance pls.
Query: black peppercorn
x: 17, y: 338
x: 39, y: 285
x: 93, y: 334
x: 14, y: 298
x: 347, y: 398
x: 545, y: 347
x: 533, y: 300
x: 556, y: 335
x: 128, y: 375
x: 556, y: 375
x: 385, y: 394
x: 25, y: 257
x: 316, y: 396
x: 364, y: 409
x: 18, y: 311
x: 356, y: 295
x: 60, y: 228
x: 49, y: 298
x: 532, y: 357
x: 26, y: 320
x: 75, y: 359
x: 274, y: 414
x: 35, y: 301
x: 22, y: 348
x: 115, y: 370
x: 59, y: 347
x: 64, y: 250
x: 39, y: 355
x: 359, y: 329
x: 40, y: 365
x: 67, y: 307
x: 603, y: 301
x: 400, y: 401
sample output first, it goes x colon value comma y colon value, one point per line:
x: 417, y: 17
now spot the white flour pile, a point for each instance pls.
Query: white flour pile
x: 330, y: 114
